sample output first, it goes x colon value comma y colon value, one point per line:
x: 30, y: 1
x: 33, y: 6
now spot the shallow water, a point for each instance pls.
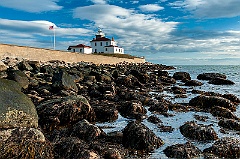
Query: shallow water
x: 179, y: 118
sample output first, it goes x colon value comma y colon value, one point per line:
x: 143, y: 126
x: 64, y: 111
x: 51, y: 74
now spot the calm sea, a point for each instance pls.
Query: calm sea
x: 231, y: 71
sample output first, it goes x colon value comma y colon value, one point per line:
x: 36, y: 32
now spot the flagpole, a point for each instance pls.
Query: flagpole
x: 54, y: 39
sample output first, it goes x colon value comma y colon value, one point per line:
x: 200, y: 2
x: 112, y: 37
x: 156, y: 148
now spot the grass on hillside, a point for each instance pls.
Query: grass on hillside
x: 118, y: 55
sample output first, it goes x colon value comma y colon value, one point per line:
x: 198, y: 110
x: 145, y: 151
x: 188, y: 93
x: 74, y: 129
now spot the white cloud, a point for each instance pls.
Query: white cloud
x: 151, y: 8
x: 33, y: 6
x: 99, y: 1
x: 135, y: 31
x: 34, y: 33
x: 210, y: 9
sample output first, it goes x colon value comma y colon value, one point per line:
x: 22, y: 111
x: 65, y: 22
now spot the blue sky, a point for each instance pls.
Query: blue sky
x: 163, y: 31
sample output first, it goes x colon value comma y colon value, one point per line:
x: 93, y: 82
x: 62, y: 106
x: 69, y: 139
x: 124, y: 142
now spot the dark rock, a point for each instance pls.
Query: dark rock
x: 221, y: 81
x: 112, y: 153
x: 154, y: 119
x: 19, y: 77
x: 142, y: 77
x: 86, y: 131
x: 233, y: 98
x: 74, y: 148
x: 181, y: 76
x: 105, y: 111
x: 163, y: 73
x: 129, y: 81
x: 17, y: 110
x: 198, y: 132
x: 24, y: 143
x: 210, y: 76
x: 223, y: 112
x: 167, y: 80
x: 164, y: 128
x: 201, y: 118
x: 208, y: 102
x: 224, y: 148
x: 64, y: 111
x: 160, y: 106
x: 62, y: 80
x: 186, y: 150
x: 138, y: 136
x: 230, y: 124
x: 178, y: 90
x: 24, y: 65
x: 131, y: 109
x: 193, y: 83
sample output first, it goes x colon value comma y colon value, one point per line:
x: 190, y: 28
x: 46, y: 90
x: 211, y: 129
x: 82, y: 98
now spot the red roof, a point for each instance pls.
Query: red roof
x: 81, y: 46
x: 101, y: 39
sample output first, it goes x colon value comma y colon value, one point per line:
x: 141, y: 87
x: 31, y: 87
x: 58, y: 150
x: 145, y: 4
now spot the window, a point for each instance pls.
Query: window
x: 106, y: 49
x: 80, y: 50
x: 95, y: 50
x: 106, y: 43
x: 95, y: 44
x: 119, y: 50
x: 101, y: 43
x: 73, y: 50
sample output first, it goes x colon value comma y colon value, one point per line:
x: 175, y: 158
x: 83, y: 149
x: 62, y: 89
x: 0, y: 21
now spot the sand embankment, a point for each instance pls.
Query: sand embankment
x: 44, y: 55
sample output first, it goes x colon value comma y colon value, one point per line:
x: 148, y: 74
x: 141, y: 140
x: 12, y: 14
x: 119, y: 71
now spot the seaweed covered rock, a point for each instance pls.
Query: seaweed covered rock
x: 198, y: 132
x: 181, y: 76
x: 221, y: 81
x: 132, y: 109
x: 224, y: 148
x: 230, y: 124
x: 193, y: 83
x: 86, y: 131
x: 186, y: 150
x: 24, y: 143
x: 208, y: 102
x: 73, y: 147
x: 105, y: 111
x: 223, y: 112
x: 16, y: 110
x: 64, y: 111
x: 210, y: 76
x: 138, y: 136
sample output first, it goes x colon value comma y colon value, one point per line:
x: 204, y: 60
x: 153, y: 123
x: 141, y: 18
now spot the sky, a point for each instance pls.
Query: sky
x: 171, y: 32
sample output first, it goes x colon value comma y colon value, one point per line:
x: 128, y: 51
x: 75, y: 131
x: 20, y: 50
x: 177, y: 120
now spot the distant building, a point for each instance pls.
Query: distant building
x: 80, y: 48
x: 99, y: 44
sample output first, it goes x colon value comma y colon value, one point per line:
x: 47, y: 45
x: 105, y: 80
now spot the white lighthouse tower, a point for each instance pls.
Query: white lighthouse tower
x: 101, y: 44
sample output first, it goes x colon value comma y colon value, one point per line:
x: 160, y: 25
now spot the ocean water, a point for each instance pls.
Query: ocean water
x: 175, y: 137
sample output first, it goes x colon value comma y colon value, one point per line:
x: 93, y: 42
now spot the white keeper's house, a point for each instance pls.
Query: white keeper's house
x: 99, y: 44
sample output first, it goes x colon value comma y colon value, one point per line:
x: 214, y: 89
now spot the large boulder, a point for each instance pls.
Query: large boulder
x: 193, y: 83
x: 186, y: 150
x: 221, y: 81
x: 198, y: 132
x: 181, y: 76
x: 210, y: 76
x: 17, y: 110
x: 224, y: 148
x: 62, y: 80
x: 223, y: 112
x: 86, y: 131
x: 230, y: 124
x: 132, y: 109
x: 24, y: 143
x: 208, y: 102
x: 3, y: 67
x: 138, y: 136
x: 19, y: 77
x: 73, y: 147
x: 64, y: 111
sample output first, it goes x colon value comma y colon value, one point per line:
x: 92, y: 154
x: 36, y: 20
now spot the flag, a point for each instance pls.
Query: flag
x: 50, y: 27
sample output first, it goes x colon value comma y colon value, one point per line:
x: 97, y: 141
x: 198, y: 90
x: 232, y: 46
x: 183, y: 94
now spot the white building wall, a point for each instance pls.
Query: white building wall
x: 115, y: 50
x: 81, y: 50
x: 87, y: 50
x: 98, y: 46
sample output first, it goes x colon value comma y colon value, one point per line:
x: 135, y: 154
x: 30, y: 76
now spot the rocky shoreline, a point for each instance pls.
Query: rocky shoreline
x: 50, y: 110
